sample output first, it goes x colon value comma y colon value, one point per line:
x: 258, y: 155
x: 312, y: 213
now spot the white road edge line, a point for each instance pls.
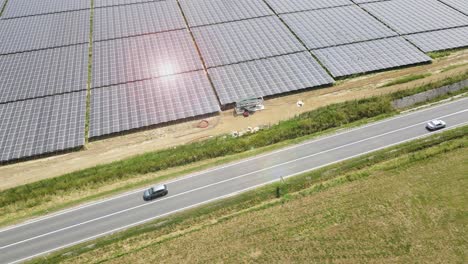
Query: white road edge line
x: 217, y: 183
x: 229, y: 165
x: 228, y: 195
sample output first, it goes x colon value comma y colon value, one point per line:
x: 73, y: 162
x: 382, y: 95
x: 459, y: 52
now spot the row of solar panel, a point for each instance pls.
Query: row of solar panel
x: 318, y: 29
x: 24, y: 8
x: 273, y: 62
x: 43, y: 125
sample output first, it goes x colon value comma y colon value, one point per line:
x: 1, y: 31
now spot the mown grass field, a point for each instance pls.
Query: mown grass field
x: 402, y: 205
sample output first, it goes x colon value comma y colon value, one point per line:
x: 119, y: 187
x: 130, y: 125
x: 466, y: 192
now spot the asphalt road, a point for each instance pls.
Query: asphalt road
x: 24, y: 241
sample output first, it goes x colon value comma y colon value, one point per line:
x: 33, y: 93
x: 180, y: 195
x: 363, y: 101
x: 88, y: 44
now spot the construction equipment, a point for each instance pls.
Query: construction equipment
x: 249, y: 105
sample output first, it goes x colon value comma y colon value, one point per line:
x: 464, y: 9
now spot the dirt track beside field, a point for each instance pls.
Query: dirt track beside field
x: 277, y: 109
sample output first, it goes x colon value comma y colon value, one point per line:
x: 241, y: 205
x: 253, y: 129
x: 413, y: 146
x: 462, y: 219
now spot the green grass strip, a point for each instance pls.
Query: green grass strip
x: 2, y: 8
x: 90, y: 73
x: 443, y: 53
x: 451, y: 67
x: 407, y: 79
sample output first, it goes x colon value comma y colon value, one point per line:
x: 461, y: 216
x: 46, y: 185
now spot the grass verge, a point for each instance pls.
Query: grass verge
x: 53, y: 194
x: 451, y: 67
x: 3, y: 7
x: 406, y: 79
x: 90, y: 72
x: 444, y: 53
x: 398, y: 205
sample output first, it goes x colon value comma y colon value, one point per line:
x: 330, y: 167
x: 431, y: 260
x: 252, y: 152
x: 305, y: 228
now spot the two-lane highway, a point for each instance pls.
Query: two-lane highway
x: 21, y: 242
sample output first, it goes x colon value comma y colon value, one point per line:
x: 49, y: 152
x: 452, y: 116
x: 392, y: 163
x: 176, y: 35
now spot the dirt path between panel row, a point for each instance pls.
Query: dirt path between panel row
x: 121, y: 147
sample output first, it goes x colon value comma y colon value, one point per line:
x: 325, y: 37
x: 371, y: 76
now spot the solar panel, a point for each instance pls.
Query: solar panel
x: 460, y: 5
x: 46, y: 72
x: 138, y: 58
x: 20, y: 8
x: 206, y: 12
x: 441, y: 39
x: 155, y: 101
x: 416, y: 16
x: 105, y: 3
x: 335, y: 26
x: 369, y: 56
x: 287, y: 6
x: 40, y: 32
x: 138, y: 19
x: 42, y: 125
x: 245, y: 40
x: 365, y: 1
x: 267, y: 77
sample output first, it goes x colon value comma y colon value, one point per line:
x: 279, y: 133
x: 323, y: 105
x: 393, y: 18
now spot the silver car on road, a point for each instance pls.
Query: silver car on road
x: 435, y: 125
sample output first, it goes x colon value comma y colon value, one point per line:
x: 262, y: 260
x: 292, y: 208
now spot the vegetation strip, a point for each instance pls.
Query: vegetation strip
x: 90, y: 73
x: 20, y: 202
x: 406, y: 79
x: 443, y: 53
x: 169, y: 228
x: 3, y: 7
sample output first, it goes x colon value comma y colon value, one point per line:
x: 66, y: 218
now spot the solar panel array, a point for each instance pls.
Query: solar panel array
x: 416, y: 16
x: 335, y: 26
x: 21, y: 8
x: 460, y: 5
x: 145, y: 103
x: 41, y: 32
x: 148, y: 57
x: 43, y: 125
x: 47, y: 72
x: 132, y: 20
x: 207, y: 12
x: 108, y: 3
x: 282, y: 6
x: 143, y: 57
x: 441, y: 39
x: 267, y: 77
x: 370, y: 56
x: 233, y: 42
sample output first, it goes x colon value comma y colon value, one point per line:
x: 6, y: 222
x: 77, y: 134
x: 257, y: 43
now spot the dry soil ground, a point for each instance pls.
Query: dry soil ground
x: 277, y: 109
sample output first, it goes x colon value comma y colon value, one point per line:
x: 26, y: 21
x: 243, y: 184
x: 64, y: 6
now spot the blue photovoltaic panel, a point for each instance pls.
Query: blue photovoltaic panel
x: 206, y: 12
x: 138, y: 58
x: 138, y: 19
x: 20, y: 8
x: 365, y: 57
x: 335, y: 26
x: 43, y: 125
x: 40, y: 32
x: 287, y: 6
x: 441, y: 39
x: 416, y: 16
x: 45, y: 72
x: 460, y: 5
x: 140, y: 104
x: 265, y: 77
x: 233, y: 42
x: 104, y: 3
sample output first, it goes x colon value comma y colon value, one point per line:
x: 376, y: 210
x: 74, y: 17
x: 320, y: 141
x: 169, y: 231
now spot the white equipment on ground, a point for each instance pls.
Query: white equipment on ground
x: 249, y: 105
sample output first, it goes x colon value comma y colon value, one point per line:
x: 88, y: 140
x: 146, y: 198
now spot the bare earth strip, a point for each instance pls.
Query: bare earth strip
x: 121, y: 147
